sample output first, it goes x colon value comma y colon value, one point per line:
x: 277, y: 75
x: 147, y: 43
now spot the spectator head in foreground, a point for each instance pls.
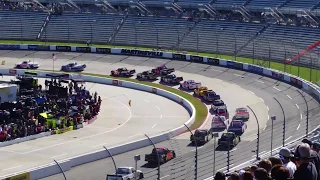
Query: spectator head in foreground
x: 220, y: 176
x: 285, y: 155
x: 279, y: 172
x: 265, y: 164
x: 246, y: 176
x: 306, y: 169
x: 261, y: 174
x: 275, y: 161
x: 316, y: 147
x: 253, y: 168
x: 234, y: 176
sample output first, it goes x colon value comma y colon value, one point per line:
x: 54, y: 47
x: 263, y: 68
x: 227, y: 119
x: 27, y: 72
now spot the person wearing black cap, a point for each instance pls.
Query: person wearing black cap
x: 220, y: 176
x: 306, y: 170
x: 285, y: 155
x: 315, y: 158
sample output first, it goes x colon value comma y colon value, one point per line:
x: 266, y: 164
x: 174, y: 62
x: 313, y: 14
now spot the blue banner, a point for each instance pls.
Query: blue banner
x: 38, y: 48
x: 278, y: 76
x: 234, y: 65
x: 9, y: 47
x: 255, y: 69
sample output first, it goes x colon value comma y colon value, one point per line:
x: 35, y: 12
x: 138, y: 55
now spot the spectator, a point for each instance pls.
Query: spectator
x: 306, y: 169
x: 279, y: 172
x: 261, y: 174
x: 285, y: 155
x: 234, y: 176
x: 316, y: 147
x: 253, y: 168
x: 275, y: 161
x: 246, y: 176
x: 220, y: 176
x: 265, y: 164
x: 315, y: 158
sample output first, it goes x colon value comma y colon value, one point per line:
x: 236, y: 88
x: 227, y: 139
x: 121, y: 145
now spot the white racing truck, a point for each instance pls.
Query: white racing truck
x: 125, y: 173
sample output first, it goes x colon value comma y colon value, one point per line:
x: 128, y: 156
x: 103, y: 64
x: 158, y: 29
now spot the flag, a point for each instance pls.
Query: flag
x: 54, y: 57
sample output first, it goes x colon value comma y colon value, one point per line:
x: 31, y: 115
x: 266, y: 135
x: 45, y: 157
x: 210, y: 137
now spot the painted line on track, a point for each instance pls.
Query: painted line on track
x: 289, y: 96
x: 288, y: 138
x: 262, y: 100
x: 268, y: 108
x: 252, y: 92
x: 12, y: 168
x: 298, y: 127
x: 58, y: 155
x: 301, y: 116
x: 276, y: 88
x: 297, y: 106
x: 260, y: 81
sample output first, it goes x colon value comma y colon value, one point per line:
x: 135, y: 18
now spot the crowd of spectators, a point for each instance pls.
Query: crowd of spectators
x: 68, y: 105
x: 301, y: 164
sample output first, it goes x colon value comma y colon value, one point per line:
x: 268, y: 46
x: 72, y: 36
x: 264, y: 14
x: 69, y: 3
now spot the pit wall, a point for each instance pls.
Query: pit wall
x: 51, y: 169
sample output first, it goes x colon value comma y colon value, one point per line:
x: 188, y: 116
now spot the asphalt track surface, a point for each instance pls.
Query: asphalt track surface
x: 237, y: 89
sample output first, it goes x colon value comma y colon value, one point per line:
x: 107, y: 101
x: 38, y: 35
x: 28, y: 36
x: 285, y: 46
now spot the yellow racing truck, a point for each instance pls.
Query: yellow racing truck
x: 200, y: 91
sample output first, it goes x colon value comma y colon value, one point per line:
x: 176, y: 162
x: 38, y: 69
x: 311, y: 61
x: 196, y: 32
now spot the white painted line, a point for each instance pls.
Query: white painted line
x: 265, y: 127
x: 297, y: 106
x: 146, y: 101
x: 300, y: 116
x: 58, y: 155
x: 268, y: 108
x: 231, y: 150
x: 99, y: 145
x: 252, y: 92
x: 216, y: 70
x: 165, y: 176
x: 289, y: 97
x: 134, y: 135
x: 154, y: 126
x: 161, y: 116
x: 198, y: 148
x: 268, y: 117
x: 158, y: 108
x: 237, y: 74
x: 262, y: 100
x: 288, y: 138
x: 11, y: 168
x: 276, y: 88
x: 298, y: 127
x: 260, y: 81
x: 262, y: 152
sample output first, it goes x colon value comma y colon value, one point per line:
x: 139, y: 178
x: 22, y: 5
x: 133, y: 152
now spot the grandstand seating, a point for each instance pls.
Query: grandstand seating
x: 265, y: 3
x: 20, y: 25
x: 228, y: 3
x: 299, y: 4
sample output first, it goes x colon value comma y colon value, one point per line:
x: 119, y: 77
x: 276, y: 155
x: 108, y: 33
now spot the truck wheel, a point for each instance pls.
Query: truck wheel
x: 141, y: 176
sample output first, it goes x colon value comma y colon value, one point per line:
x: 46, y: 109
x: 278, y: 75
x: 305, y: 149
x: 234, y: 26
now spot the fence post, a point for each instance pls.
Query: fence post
x: 307, y: 127
x: 154, y: 146
x: 114, y: 162
x: 258, y: 133
x: 284, y: 122
x: 196, y: 155
x: 64, y: 175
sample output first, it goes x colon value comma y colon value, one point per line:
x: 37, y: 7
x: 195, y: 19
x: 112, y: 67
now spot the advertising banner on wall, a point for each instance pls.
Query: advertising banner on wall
x: 213, y: 61
x: 38, y: 47
x: 295, y: 82
x: 197, y: 59
x: 255, y: 69
x: 181, y: 57
x: 83, y: 49
x: 234, y: 65
x: 24, y: 176
x: 103, y: 50
x: 142, y: 53
x: 277, y: 75
x: 9, y: 47
x: 63, y: 48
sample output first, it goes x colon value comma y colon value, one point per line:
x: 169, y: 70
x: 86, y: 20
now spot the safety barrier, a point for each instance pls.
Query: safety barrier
x: 68, y: 163
x: 50, y: 169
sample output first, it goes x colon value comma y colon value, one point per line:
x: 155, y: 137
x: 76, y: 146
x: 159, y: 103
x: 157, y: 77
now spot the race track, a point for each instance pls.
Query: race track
x: 236, y: 88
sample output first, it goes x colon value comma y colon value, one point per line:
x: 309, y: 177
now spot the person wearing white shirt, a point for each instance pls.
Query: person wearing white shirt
x: 285, y: 155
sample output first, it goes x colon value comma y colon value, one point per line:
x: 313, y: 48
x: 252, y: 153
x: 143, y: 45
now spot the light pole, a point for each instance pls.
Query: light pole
x: 294, y: 44
x: 136, y: 159
x: 284, y: 122
x: 215, y: 135
x: 273, y: 118
x: 157, y: 154
x: 196, y: 155
x: 235, y: 47
x: 258, y: 134
x: 305, y: 100
x: 91, y: 30
x: 114, y: 162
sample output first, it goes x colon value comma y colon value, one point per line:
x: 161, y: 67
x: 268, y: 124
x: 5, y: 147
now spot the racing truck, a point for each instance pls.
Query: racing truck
x: 125, y: 173
x: 162, y: 70
x: 237, y: 126
x: 242, y: 113
x: 73, y: 67
x: 200, y: 91
x: 219, y: 122
x: 164, y: 154
x: 210, y: 96
x: 200, y: 136
x: 171, y: 79
x: 124, y: 72
x: 190, y: 84
x: 229, y: 139
x: 217, y: 103
x: 27, y: 65
x: 147, y: 75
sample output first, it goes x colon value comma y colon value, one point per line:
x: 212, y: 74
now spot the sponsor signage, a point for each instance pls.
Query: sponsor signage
x: 103, y: 50
x: 154, y: 90
x: 9, y: 47
x: 196, y: 58
x: 31, y: 73
x: 255, y: 69
x: 182, y: 57
x: 213, y: 61
x: 234, y: 65
x: 296, y: 82
x: 63, y: 48
x: 116, y: 82
x: 38, y: 47
x: 12, y: 71
x: 83, y: 49
x: 142, y: 53
x: 24, y: 176
x: 276, y: 75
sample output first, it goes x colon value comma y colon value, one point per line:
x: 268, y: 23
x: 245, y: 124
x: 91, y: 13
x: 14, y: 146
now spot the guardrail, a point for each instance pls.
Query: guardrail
x: 51, y: 169
x: 278, y: 75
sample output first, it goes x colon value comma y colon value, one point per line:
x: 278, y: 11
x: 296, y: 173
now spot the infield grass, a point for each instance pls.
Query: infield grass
x: 308, y: 74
